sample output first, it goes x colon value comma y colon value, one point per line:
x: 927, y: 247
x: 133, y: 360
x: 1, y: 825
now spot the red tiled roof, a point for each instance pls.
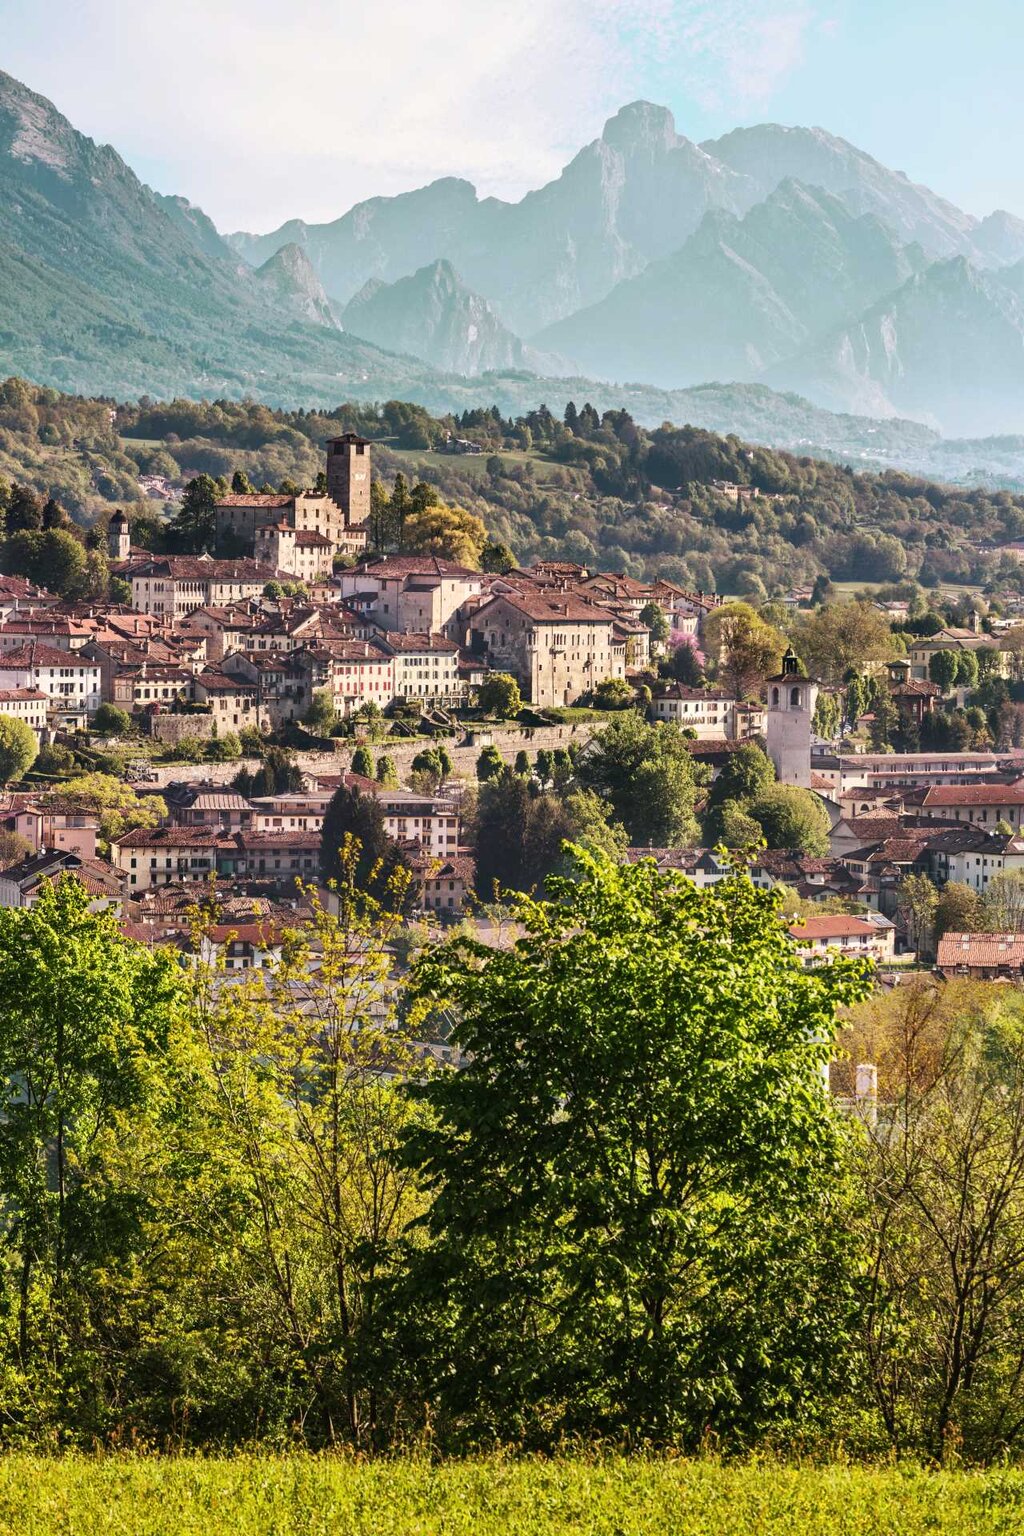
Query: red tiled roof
x: 988, y: 950
x: 35, y: 654
x: 974, y: 794
x: 838, y: 927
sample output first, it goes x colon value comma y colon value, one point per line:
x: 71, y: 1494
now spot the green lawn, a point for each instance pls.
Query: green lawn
x: 471, y: 465
x: 304, y: 1496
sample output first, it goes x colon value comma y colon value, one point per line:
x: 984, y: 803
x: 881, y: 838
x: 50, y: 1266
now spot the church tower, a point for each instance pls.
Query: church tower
x: 791, y: 701
x: 348, y: 476
x: 119, y: 539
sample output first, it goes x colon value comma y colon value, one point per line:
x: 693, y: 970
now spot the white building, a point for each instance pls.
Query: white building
x: 791, y: 701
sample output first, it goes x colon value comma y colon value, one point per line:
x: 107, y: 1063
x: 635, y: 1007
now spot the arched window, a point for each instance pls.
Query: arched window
x: 775, y: 698
x: 794, y: 698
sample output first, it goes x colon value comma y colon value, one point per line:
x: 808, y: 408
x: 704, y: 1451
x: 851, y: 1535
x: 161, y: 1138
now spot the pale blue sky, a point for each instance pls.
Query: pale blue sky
x: 260, y: 111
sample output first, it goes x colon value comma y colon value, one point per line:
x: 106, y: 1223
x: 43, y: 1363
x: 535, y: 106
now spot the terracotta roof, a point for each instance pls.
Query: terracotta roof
x: 414, y: 565
x: 35, y: 654
x: 255, y: 500
x: 543, y: 608
x: 974, y: 794
x: 837, y: 927
x: 21, y: 695
x: 988, y: 950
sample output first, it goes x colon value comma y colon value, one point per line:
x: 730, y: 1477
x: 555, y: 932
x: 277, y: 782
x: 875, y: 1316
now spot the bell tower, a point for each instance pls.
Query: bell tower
x: 119, y: 538
x: 348, y: 476
x: 791, y: 701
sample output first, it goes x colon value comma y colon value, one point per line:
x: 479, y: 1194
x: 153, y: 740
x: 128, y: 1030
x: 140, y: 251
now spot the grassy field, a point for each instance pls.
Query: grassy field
x: 303, y: 1496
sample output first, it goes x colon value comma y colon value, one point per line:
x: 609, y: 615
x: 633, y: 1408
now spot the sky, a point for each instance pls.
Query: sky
x: 261, y: 111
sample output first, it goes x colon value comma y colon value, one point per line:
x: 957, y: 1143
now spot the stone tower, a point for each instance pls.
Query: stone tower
x: 119, y: 539
x: 791, y: 701
x: 348, y: 476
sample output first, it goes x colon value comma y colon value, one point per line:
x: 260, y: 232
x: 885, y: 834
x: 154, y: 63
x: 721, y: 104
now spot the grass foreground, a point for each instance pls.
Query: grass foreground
x: 314, y: 1496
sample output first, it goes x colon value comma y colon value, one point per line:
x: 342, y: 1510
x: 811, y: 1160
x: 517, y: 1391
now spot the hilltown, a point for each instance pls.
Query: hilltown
x: 399, y: 651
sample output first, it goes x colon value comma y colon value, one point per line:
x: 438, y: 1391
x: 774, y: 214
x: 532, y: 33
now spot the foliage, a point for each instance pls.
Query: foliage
x: 645, y: 775
x: 18, y: 748
x: 613, y: 693
x: 356, y: 848
x: 521, y: 832
x: 277, y: 774
x: 745, y: 774
x: 362, y: 762
x: 321, y: 716
x: 790, y: 817
x: 839, y: 636
x: 627, y: 1175
x: 114, y: 803
x: 109, y: 720
x: 744, y: 649
x: 499, y: 695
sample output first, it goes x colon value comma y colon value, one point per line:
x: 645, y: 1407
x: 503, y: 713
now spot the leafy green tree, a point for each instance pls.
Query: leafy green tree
x: 839, y: 636
x: 86, y: 1014
x: 386, y: 772
x: 362, y: 762
x: 277, y: 774
x: 645, y: 774
x: 354, y: 843
x: 745, y: 650
x: 654, y: 617
x: 827, y: 716
x: 521, y: 835
x: 943, y: 667
x: 634, y: 1226
x: 224, y: 749
x: 109, y: 720
x: 489, y: 764
x: 321, y: 716
x: 522, y: 763
x: 857, y: 700
x: 18, y: 748
x: 241, y: 485
x: 684, y: 665
x: 194, y: 526
x: 54, y: 515
x: 790, y: 817
x: 918, y: 898
x: 496, y: 557
x: 745, y: 774
x: 613, y: 693
x: 958, y: 910
x: 499, y: 695
x: 966, y: 669
x: 885, y: 724
x: 24, y: 510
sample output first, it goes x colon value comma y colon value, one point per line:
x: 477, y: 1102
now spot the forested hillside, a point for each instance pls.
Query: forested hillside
x: 679, y: 501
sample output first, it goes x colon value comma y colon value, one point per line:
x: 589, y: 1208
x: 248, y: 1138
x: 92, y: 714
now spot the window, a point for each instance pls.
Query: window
x: 794, y: 698
x: 775, y: 698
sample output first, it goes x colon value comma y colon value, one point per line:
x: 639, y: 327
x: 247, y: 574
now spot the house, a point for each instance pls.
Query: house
x: 820, y: 938
x: 176, y: 585
x: 28, y: 704
x: 710, y: 713
x: 305, y: 551
x: 923, y: 649
x: 413, y: 594
x: 426, y: 667
x: 233, y: 701
x: 909, y: 770
x: 353, y: 672
x: 432, y: 821
x: 982, y: 956
x: 558, y: 646
x: 192, y: 804
x: 445, y: 885
x: 986, y: 804
x: 22, y: 883
x: 338, y: 515
x: 70, y: 682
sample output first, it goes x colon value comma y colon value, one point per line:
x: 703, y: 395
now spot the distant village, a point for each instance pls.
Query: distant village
x: 209, y: 648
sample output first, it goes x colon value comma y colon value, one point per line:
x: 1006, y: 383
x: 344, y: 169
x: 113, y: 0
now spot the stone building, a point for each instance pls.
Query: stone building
x: 337, y: 518
x: 791, y: 701
x: 557, y: 645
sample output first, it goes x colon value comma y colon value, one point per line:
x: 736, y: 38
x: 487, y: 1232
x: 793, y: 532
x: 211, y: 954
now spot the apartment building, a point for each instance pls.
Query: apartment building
x: 558, y: 646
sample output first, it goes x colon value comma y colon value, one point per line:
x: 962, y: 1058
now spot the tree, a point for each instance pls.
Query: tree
x: 958, y: 910
x: 24, y: 510
x: 13, y: 848
x: 840, y: 636
x: 499, y: 695
x: 115, y: 804
x: 278, y: 774
x: 321, y: 716
x: 194, y: 526
x: 86, y: 1014
x: 654, y: 617
x: 684, y: 665
x: 496, y: 557
x: 449, y: 532
x: 613, y: 693
x: 18, y: 748
x: 522, y: 763
x: 744, y: 775
x: 645, y: 775
x: 1003, y: 903
x: 355, y: 846
x: 886, y: 721
x: 489, y: 764
x: 942, y: 1217
x: 918, y: 898
x: 828, y: 714
x: 632, y: 1227
x: 386, y: 773
x: 966, y: 669
x: 857, y: 700
x: 745, y: 649
x: 54, y: 515
x: 362, y: 762
x: 241, y: 485
x: 109, y: 720
x: 224, y: 749
x: 790, y: 817
x: 943, y: 667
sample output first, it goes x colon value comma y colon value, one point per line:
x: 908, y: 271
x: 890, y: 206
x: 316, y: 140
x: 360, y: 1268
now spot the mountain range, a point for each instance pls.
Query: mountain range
x: 778, y: 259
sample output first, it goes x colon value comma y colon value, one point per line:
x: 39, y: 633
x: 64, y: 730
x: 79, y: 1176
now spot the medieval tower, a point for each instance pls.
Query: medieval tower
x: 348, y: 476
x: 791, y: 701
x: 119, y: 538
